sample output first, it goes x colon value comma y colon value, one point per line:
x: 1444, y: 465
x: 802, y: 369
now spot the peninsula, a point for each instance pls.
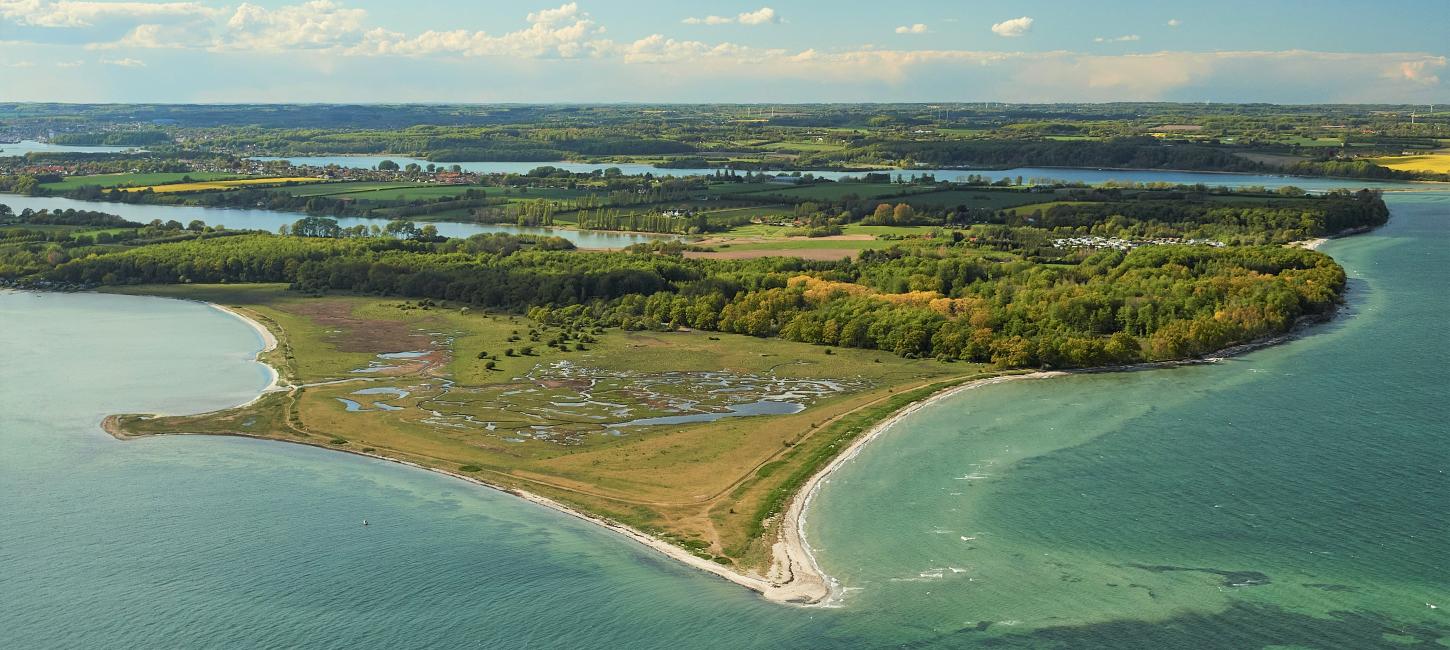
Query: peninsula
x: 692, y: 401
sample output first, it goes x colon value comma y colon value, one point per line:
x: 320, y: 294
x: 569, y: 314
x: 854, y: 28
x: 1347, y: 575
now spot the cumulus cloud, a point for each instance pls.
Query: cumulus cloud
x: 1417, y: 72
x: 1174, y: 22
x: 69, y: 13
x: 1013, y: 28
x: 312, y: 25
x: 565, y: 32
x: 658, y: 66
x: 708, y: 20
x: 150, y: 36
x: 761, y: 16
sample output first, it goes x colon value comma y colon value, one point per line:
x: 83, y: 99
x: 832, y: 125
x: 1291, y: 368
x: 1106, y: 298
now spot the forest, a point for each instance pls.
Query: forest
x: 958, y: 298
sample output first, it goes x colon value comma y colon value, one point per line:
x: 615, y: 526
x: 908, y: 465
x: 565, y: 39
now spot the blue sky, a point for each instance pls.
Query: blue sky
x: 690, y: 51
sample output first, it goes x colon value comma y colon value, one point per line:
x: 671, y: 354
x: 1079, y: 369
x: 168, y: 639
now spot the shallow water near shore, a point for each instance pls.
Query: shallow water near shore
x: 1293, y: 496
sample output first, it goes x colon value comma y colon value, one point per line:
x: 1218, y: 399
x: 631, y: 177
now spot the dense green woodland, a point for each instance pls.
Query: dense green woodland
x: 946, y: 299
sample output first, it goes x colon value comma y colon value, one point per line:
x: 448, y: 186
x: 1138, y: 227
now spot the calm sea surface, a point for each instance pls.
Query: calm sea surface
x: 1297, y: 496
x: 270, y: 220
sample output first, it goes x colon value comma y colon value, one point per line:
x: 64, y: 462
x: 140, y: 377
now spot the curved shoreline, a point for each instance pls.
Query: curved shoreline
x: 794, y: 575
x: 808, y: 583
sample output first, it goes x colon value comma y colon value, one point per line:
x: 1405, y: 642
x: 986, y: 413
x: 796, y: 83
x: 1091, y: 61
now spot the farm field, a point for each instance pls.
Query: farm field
x: 346, y: 187
x: 1438, y: 162
x: 837, y: 191
x: 741, y: 188
x: 202, y: 186
x: 785, y: 246
x: 631, y: 426
x: 412, y: 192
x: 977, y: 198
x: 138, y: 179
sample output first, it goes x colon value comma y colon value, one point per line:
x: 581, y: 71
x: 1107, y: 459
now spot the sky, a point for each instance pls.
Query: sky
x: 772, y: 51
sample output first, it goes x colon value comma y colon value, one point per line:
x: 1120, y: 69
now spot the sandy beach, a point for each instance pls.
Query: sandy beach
x: 269, y: 343
x: 794, y: 575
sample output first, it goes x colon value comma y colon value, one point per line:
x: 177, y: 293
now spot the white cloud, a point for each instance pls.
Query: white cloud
x: 69, y: 64
x: 1013, y: 28
x: 68, y: 13
x: 1417, y: 72
x: 761, y: 16
x: 1174, y: 22
x: 659, y: 67
x: 315, y: 24
x: 20, y: 64
x: 551, y: 16
x: 565, y: 32
x: 151, y: 36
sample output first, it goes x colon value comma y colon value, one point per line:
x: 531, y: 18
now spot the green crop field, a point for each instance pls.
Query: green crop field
x: 412, y: 192
x: 818, y: 243
x: 977, y: 198
x: 838, y: 191
x: 134, y: 180
x: 533, y: 193
x: 349, y: 187
x: 741, y: 188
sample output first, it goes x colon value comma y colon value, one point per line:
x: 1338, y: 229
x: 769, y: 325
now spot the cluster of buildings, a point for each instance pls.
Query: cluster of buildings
x: 1095, y: 241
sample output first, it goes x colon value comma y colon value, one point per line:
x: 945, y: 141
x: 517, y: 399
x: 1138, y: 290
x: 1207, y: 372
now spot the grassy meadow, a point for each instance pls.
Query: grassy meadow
x: 467, y: 397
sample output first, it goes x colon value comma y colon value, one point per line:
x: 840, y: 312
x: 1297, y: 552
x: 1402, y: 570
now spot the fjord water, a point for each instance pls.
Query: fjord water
x: 270, y: 220
x: 1295, y: 496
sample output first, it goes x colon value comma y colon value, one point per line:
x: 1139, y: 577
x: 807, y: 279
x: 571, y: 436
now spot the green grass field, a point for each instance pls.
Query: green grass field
x: 977, y: 198
x: 523, y: 424
x: 134, y: 180
x: 809, y: 244
x: 347, y: 187
x: 412, y: 192
x: 741, y: 188
x: 837, y: 191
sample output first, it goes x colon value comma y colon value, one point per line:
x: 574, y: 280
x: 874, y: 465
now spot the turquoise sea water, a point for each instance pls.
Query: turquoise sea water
x: 1296, y: 496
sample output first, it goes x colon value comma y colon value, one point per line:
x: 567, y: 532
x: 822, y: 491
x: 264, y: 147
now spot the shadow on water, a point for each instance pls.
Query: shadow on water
x: 1243, y: 625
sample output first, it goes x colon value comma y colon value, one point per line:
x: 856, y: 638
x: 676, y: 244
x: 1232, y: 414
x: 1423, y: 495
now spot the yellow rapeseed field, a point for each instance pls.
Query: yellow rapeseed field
x: 218, y: 185
x: 1438, y: 162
